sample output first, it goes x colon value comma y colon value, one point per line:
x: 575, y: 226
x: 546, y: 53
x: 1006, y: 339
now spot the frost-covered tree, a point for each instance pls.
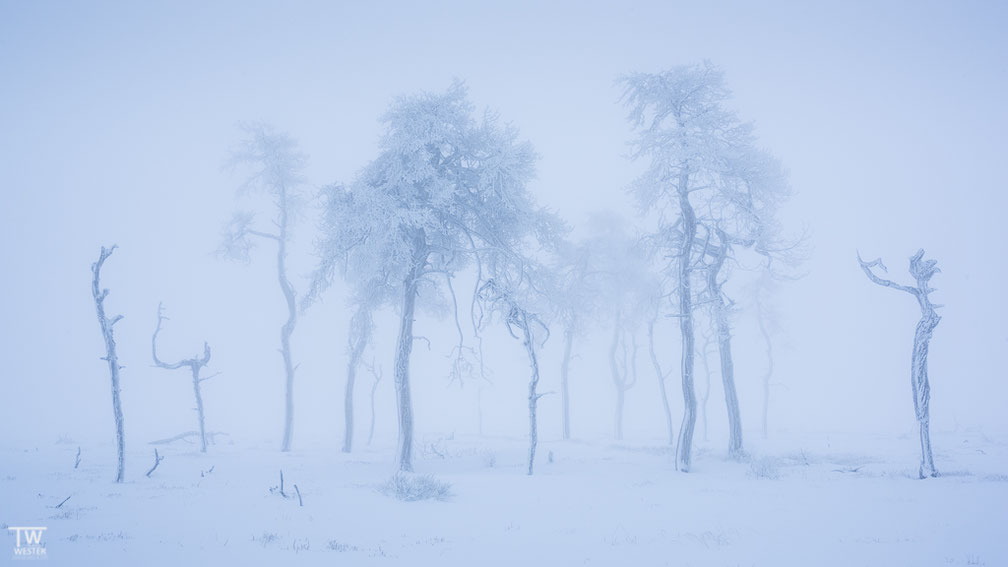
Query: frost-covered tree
x: 710, y: 190
x: 110, y: 357
x: 195, y: 365
x: 446, y: 188
x: 277, y: 167
x: 515, y: 290
x: 922, y: 272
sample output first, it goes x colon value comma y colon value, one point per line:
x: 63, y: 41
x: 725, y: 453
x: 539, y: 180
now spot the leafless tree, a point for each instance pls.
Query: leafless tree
x: 106, y: 325
x: 922, y: 271
x: 195, y: 365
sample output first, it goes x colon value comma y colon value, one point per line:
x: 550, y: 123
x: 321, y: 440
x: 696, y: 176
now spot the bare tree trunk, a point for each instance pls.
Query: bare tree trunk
x: 661, y: 383
x: 359, y: 336
x: 533, y: 396
x: 723, y: 332
x: 348, y: 415
x: 564, y: 392
x: 199, y: 407
x: 920, y: 386
x: 684, y: 450
x: 374, y: 387
x: 618, y: 381
x: 706, y: 393
x: 770, y: 365
x: 106, y: 325
x: 288, y: 327
x: 404, y: 349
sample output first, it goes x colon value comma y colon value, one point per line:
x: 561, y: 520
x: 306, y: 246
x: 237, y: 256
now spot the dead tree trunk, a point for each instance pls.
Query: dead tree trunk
x: 195, y: 364
x: 719, y: 312
x: 922, y: 271
x: 684, y: 450
x: 357, y: 341
x: 564, y: 391
x: 107, y: 325
x: 661, y: 382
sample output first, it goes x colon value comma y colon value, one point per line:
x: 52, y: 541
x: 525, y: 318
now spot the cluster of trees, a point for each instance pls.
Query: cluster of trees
x: 447, y: 200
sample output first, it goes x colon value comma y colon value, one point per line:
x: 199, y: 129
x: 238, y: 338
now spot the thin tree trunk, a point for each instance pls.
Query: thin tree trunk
x: 706, y: 392
x: 404, y: 349
x: 288, y: 327
x: 684, y: 450
x: 661, y: 383
x: 370, y: 434
x: 348, y: 415
x: 618, y: 381
x: 770, y: 366
x: 564, y: 392
x: 359, y: 336
x: 724, y: 349
x: 199, y: 406
x: 921, y: 385
x: 533, y: 396
x: 106, y: 325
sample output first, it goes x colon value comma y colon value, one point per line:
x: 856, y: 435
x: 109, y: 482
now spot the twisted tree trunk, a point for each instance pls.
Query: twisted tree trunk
x: 404, y: 349
x: 533, y: 395
x: 922, y: 271
x: 723, y: 332
x: 106, y: 325
x: 684, y: 450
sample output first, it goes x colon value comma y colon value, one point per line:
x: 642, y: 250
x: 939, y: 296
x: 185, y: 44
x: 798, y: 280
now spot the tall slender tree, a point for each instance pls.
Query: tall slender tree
x: 277, y: 167
x: 708, y: 189
x: 111, y: 357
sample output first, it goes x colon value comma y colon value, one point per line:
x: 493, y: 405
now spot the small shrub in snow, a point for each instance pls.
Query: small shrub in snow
x: 410, y: 488
x: 764, y: 469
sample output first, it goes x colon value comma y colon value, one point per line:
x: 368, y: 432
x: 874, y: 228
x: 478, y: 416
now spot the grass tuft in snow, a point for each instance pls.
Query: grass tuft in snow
x: 411, y: 487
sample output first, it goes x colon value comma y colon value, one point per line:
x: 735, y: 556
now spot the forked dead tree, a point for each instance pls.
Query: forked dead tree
x: 110, y: 356
x: 922, y: 271
x: 195, y: 364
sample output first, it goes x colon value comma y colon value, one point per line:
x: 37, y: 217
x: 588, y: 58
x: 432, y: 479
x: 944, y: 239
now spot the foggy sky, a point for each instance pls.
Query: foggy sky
x: 115, y: 120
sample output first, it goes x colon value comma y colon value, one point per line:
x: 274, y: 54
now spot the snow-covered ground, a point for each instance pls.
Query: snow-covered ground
x: 799, y: 500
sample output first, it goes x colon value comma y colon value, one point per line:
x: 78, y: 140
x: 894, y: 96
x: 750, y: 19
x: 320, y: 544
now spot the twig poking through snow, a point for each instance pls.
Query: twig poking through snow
x: 157, y: 461
x: 60, y: 505
x: 77, y: 462
x: 298, y: 490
